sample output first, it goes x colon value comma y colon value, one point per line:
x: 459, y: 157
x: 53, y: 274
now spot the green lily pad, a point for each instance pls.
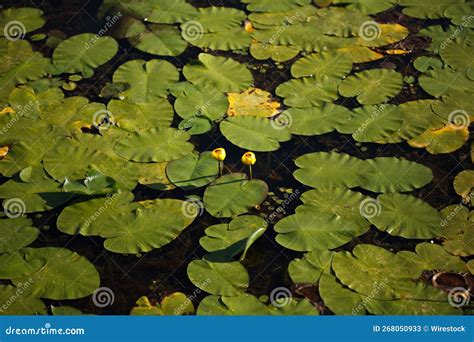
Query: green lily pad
x: 318, y: 120
x: 24, y: 304
x: 154, y: 145
x: 445, y: 139
x: 394, y: 175
x: 306, y: 231
x: 88, y: 217
x: 16, y: 22
x: 254, y: 133
x: 406, y: 216
x: 158, y: 39
x: 222, y: 236
x: 273, y: 6
x: 311, y: 267
x: 220, y: 73
x: 309, y: 91
x: 21, y: 197
x: 276, y: 52
x: 458, y: 230
x: 243, y: 304
x: 367, y: 6
x: 372, y: 86
x: 148, y: 81
x: 214, y: 18
x: 227, y: 279
x: 16, y: 233
x: 193, y: 171
x: 331, y: 64
x: 328, y: 170
x: 233, y: 194
x: 340, y: 202
x: 463, y: 185
x: 138, y: 231
x: 83, y: 53
x: 194, y: 102
x: 65, y: 310
x: 143, y: 307
x: 65, y: 275
x: 228, y: 40
x: 418, y: 8
x: 441, y: 82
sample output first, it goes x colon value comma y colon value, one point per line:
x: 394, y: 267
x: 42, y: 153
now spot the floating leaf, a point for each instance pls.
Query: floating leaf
x: 16, y: 233
x: 138, y: 231
x: 442, y: 140
x: 310, y: 268
x: 458, y: 230
x: 372, y: 86
x: 233, y: 194
x: 65, y: 275
x: 419, y: 9
x: 162, y: 40
x: 148, y: 80
x: 309, y: 91
x: 274, y: 6
x: 463, y: 184
x: 193, y: 171
x: 254, y: 102
x: 406, y: 216
x: 254, y: 133
x: 317, y: 120
x: 194, y: 102
x: 154, y: 145
x: 276, y: 52
x: 367, y: 6
x: 306, y: 231
x: 239, y: 305
x: 331, y: 64
x: 16, y: 22
x: 83, y: 53
x: 220, y: 73
x: 227, y: 279
x: 24, y: 304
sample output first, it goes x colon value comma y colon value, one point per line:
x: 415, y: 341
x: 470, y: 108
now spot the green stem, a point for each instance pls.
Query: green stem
x: 221, y: 167
x: 250, y: 169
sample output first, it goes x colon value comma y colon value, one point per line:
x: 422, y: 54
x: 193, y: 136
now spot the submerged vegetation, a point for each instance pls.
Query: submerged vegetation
x: 293, y: 157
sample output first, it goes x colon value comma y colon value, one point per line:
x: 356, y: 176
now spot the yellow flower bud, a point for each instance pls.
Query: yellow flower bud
x: 219, y: 154
x: 249, y: 158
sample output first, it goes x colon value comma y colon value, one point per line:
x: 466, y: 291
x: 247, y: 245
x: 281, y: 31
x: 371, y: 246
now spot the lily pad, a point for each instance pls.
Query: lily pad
x: 193, y: 171
x: 223, y: 74
x: 148, y: 80
x: 306, y: 231
x: 233, y: 194
x: 158, y: 39
x: 194, y: 102
x: 445, y: 139
x: 274, y: 6
x: 463, y: 185
x: 406, y: 216
x: 83, y: 53
x: 227, y: 279
x: 372, y: 86
x: 24, y: 304
x: 331, y: 64
x: 138, y: 231
x: 16, y: 22
x: 311, y: 267
x: 65, y: 275
x: 254, y: 102
x: 16, y: 233
x: 458, y: 230
x: 276, y: 52
x: 154, y: 145
x: 254, y: 133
